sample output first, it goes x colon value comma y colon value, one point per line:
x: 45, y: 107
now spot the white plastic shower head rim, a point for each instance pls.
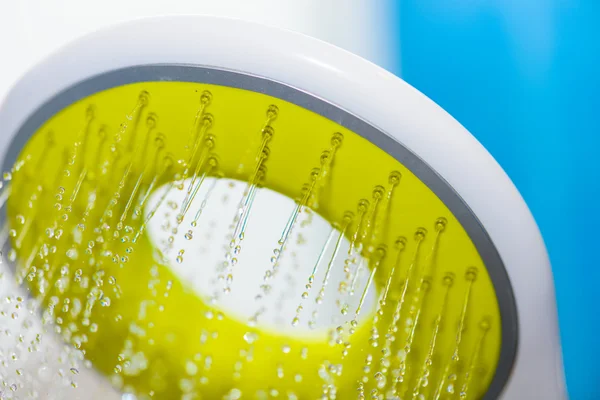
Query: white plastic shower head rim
x: 363, y: 89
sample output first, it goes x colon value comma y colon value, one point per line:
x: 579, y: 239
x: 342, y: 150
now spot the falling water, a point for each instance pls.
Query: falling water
x: 113, y: 238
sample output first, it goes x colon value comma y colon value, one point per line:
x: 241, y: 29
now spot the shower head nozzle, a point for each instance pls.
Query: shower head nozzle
x: 216, y: 208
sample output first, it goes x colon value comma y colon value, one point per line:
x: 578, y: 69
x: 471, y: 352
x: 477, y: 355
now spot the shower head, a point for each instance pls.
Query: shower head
x: 372, y: 246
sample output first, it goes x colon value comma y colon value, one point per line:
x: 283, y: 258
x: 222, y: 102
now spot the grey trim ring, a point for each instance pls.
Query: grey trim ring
x: 197, y: 74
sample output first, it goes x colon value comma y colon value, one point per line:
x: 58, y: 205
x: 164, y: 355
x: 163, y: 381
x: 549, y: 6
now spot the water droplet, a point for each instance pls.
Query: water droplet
x: 304, y: 353
x: 471, y: 274
x: 250, y: 337
x: 72, y: 253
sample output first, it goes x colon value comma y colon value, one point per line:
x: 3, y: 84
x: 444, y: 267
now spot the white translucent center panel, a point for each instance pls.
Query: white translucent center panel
x: 241, y: 277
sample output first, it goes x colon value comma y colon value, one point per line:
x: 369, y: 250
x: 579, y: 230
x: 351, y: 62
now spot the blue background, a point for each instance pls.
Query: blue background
x: 523, y: 77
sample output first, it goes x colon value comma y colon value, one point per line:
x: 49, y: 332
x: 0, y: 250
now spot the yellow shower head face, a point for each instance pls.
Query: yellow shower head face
x: 198, y: 240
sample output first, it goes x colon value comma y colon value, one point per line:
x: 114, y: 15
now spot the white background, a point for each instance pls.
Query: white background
x: 31, y: 29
